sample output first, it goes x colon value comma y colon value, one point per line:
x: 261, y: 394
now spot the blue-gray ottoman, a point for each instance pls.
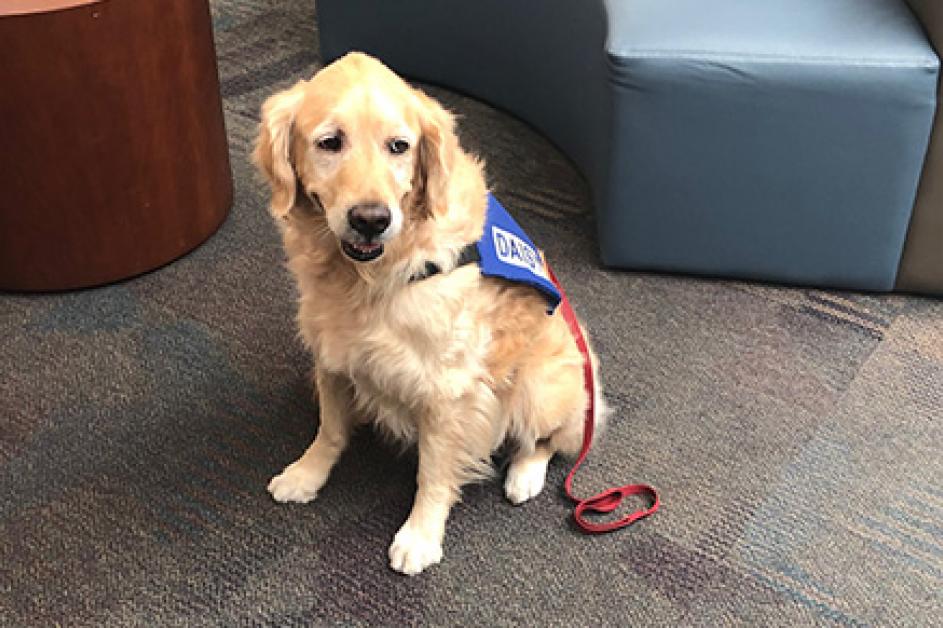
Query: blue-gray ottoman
x: 781, y: 140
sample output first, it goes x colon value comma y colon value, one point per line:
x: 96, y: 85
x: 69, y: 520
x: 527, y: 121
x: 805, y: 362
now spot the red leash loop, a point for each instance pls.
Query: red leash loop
x: 610, y: 499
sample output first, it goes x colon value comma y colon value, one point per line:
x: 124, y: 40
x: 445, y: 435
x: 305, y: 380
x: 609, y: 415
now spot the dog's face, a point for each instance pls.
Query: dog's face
x: 361, y: 146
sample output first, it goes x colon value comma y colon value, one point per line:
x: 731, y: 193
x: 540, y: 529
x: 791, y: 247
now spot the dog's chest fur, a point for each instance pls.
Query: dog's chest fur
x: 419, y: 348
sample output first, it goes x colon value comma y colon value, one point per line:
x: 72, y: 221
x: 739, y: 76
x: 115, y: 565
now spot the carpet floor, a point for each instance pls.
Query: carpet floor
x: 795, y: 435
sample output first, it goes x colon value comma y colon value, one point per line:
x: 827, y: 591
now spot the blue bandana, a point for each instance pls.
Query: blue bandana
x: 505, y: 251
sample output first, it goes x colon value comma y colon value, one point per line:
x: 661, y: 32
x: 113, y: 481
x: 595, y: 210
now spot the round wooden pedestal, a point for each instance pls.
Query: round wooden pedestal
x: 113, y: 153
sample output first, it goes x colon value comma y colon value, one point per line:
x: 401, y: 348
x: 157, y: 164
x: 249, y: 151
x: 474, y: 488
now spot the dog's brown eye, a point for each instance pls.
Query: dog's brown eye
x: 398, y: 146
x: 331, y: 143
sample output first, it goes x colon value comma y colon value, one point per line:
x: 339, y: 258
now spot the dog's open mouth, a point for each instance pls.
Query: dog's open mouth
x: 362, y: 251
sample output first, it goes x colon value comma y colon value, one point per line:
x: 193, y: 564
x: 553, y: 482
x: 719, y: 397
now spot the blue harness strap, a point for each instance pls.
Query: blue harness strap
x: 504, y: 251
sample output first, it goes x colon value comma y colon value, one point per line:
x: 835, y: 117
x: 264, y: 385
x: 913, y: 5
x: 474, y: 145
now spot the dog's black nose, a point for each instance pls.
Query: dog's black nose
x: 369, y: 219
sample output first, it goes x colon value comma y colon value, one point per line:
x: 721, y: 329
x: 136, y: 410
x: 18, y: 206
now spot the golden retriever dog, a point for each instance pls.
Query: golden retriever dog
x: 369, y: 186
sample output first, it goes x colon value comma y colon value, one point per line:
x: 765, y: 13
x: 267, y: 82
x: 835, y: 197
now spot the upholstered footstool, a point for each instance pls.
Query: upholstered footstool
x: 780, y: 140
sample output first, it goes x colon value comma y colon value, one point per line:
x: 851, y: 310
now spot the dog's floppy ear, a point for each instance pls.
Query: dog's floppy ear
x: 273, y: 147
x: 437, y: 151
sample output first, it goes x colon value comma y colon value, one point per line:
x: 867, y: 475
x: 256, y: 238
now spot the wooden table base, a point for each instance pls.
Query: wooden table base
x: 113, y: 153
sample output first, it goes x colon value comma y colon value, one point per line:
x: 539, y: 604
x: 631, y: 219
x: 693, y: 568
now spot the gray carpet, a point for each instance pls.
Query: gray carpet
x: 794, y: 434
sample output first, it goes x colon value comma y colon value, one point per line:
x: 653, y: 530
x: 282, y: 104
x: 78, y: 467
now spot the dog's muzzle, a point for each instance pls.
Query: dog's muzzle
x: 369, y: 221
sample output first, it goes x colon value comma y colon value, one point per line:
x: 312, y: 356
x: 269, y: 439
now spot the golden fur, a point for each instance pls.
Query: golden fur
x: 455, y: 363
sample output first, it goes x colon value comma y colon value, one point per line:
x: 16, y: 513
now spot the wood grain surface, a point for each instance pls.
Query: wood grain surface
x: 114, y: 158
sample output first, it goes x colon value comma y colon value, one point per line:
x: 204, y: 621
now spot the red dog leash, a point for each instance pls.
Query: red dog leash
x: 610, y: 499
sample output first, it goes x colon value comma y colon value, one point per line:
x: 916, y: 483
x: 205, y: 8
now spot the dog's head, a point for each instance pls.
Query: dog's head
x: 360, y: 145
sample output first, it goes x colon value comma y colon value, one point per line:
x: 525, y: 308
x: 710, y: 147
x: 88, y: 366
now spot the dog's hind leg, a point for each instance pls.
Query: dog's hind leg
x: 302, y: 479
x: 559, y: 411
x: 526, y: 474
x: 548, y: 410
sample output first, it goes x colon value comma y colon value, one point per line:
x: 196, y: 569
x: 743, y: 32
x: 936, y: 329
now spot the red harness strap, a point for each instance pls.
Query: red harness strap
x: 610, y: 499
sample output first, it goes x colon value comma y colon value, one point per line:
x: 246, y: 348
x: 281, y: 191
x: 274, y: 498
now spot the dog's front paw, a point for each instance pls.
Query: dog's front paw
x: 411, y: 551
x: 525, y: 480
x: 296, y: 484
